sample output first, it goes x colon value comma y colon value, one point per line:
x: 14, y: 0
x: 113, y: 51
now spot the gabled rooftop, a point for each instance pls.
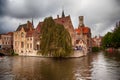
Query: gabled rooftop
x: 26, y: 26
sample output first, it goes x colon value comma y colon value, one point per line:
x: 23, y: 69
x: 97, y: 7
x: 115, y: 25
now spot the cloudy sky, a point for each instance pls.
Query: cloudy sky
x: 100, y: 15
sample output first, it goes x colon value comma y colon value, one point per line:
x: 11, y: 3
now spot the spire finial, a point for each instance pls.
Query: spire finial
x: 63, y: 14
x: 32, y: 22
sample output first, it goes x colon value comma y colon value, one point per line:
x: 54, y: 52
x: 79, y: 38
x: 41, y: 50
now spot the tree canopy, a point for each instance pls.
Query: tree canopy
x: 56, y: 40
x: 112, y: 39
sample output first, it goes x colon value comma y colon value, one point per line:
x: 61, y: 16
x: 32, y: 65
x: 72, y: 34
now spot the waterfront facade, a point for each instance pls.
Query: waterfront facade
x: 97, y: 41
x: 7, y: 40
x: 24, y: 39
x: 83, y: 36
x: 66, y: 22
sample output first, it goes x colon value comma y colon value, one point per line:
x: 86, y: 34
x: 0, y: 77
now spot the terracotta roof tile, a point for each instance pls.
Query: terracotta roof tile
x: 64, y: 21
x: 30, y: 33
x: 39, y: 26
x: 84, y: 30
x: 10, y: 33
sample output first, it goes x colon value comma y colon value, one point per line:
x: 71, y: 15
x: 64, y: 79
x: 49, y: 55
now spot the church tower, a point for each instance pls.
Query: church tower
x: 81, y: 21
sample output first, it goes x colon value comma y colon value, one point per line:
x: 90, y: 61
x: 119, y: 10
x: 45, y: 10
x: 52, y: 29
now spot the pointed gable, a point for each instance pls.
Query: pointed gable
x: 66, y: 21
x: 26, y: 26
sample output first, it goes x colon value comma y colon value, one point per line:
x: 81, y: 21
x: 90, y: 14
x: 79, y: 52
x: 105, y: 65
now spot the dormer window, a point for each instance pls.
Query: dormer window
x: 22, y: 34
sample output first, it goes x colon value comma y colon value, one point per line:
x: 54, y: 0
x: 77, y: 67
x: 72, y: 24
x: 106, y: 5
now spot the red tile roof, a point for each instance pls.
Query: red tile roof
x: 39, y: 26
x: 30, y: 33
x: 84, y: 30
x: 10, y: 33
x: 63, y: 20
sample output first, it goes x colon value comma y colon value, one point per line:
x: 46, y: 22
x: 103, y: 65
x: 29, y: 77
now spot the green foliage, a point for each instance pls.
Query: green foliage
x: 13, y: 53
x: 107, y: 40
x: 112, y: 39
x: 56, y: 40
x: 116, y: 37
x: 95, y: 49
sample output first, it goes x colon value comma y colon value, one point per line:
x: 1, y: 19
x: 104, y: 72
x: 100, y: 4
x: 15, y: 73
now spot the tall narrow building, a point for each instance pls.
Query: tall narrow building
x: 83, y: 36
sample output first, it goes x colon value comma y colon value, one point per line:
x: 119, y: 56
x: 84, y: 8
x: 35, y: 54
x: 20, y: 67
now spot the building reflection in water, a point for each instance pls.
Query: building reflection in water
x: 96, y: 66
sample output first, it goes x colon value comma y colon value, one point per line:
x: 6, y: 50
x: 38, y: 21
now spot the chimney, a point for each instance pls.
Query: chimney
x: 58, y: 16
x: 81, y: 21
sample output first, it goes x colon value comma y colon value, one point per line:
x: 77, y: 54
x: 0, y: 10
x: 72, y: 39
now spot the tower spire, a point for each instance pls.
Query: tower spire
x: 32, y: 22
x: 63, y: 15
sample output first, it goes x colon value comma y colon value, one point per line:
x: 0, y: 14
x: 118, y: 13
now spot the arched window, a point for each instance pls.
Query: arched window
x: 22, y: 44
x: 22, y: 34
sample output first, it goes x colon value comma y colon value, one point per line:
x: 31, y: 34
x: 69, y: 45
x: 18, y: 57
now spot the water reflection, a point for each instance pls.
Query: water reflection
x: 96, y: 66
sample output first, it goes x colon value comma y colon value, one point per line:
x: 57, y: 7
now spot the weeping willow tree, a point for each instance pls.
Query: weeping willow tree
x: 56, y: 40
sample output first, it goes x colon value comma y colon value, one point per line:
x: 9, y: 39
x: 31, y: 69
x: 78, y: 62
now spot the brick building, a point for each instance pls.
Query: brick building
x: 6, y: 40
x: 64, y: 20
x: 97, y: 41
x: 83, y: 36
x: 24, y: 40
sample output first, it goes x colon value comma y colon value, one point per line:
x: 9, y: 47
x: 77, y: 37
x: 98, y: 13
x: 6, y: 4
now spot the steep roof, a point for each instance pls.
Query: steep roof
x: 62, y: 20
x: 39, y: 26
x: 10, y: 33
x: 66, y: 21
x: 30, y: 33
x: 26, y: 26
x: 84, y: 30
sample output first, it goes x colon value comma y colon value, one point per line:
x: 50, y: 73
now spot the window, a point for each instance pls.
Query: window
x: 3, y: 43
x: 4, y: 38
x: 15, y: 43
x: 7, y: 38
x: 21, y: 51
x: 30, y: 45
x: 22, y: 44
x: 22, y: 34
x: 30, y: 38
x: 27, y: 45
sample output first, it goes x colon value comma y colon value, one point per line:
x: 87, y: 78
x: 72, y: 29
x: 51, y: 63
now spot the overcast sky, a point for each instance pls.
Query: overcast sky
x: 100, y: 15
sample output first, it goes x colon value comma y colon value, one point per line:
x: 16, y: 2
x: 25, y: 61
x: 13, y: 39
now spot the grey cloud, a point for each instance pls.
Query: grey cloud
x: 2, y: 7
x: 100, y: 15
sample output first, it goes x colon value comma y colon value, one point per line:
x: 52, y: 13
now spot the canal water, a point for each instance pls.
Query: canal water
x: 95, y: 66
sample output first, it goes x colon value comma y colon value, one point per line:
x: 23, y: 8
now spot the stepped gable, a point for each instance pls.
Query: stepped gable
x: 66, y: 21
x: 26, y: 26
